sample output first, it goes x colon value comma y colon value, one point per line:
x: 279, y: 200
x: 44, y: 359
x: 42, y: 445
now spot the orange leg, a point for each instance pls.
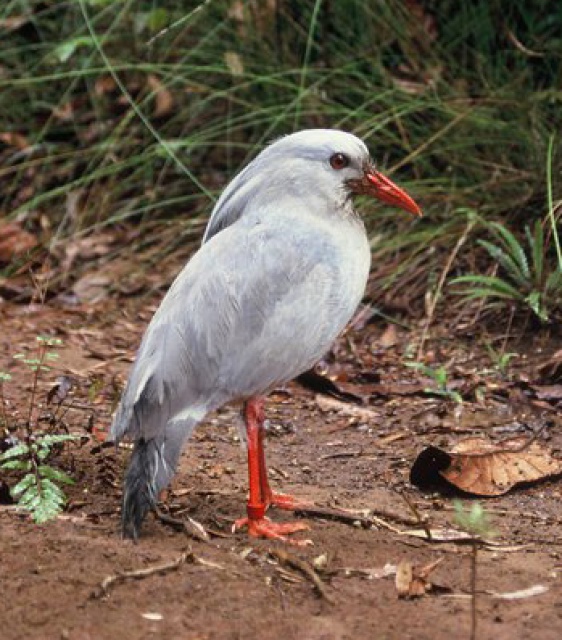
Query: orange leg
x: 261, y: 496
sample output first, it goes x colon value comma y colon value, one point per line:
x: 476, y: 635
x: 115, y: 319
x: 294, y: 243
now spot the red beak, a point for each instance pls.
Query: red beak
x: 383, y: 189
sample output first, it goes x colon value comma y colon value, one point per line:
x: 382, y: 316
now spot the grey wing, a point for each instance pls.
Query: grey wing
x: 235, y: 199
x: 252, y: 309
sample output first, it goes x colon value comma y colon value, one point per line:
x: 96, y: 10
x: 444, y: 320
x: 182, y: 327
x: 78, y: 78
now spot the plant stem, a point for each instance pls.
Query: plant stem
x: 549, y: 154
x: 3, y: 414
x: 40, y: 359
x: 473, y: 613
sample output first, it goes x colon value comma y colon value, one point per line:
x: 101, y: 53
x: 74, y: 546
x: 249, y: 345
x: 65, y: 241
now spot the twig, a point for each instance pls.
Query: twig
x: 306, y: 569
x: 140, y: 574
x: 519, y: 45
x: 437, y: 295
x: 343, y: 454
x: 422, y: 521
x: 348, y: 517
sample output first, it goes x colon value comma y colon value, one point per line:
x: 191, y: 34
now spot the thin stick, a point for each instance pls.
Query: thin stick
x: 437, y: 295
x: 139, y: 574
x: 306, y: 569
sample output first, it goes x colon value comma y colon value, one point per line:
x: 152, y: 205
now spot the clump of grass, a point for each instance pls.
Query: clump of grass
x: 39, y: 489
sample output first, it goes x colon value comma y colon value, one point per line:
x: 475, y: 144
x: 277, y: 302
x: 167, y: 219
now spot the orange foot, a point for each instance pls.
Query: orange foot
x: 289, y: 503
x: 264, y: 528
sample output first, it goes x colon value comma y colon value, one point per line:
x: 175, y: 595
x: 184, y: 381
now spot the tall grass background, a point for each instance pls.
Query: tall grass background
x: 124, y: 114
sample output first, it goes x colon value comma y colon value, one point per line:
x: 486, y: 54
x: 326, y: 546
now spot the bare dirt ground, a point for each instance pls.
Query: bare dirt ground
x: 338, y: 454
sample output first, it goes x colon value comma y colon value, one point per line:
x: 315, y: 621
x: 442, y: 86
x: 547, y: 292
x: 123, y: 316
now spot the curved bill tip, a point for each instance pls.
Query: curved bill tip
x: 382, y: 188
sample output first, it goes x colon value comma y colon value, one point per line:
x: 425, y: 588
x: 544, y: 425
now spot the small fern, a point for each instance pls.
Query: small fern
x: 38, y: 491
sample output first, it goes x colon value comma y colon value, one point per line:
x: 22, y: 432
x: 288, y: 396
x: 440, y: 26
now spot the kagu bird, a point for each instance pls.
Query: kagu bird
x: 282, y: 268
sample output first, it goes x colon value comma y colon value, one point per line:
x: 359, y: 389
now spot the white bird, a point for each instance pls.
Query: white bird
x: 282, y: 268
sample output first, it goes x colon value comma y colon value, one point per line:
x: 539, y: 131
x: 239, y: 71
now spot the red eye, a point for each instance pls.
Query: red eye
x: 339, y: 161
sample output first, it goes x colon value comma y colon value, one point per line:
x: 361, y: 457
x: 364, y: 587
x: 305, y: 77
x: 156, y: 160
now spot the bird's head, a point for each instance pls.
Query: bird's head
x: 332, y: 160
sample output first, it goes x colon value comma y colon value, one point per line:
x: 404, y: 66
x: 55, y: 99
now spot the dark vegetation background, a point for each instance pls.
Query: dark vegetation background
x: 121, y: 121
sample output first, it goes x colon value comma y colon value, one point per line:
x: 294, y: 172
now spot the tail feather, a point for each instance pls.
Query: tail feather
x: 152, y: 466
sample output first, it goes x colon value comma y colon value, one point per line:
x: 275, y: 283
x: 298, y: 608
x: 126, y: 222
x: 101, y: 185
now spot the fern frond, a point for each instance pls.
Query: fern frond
x: 513, y: 247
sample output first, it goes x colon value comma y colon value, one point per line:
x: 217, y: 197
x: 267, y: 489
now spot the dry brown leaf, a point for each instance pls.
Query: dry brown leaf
x: 64, y: 112
x: 14, y: 241
x: 412, y: 582
x: 17, y: 140
x: 14, y: 22
x: 234, y: 63
x: 389, y: 338
x: 345, y: 408
x: 484, y: 468
x: 103, y: 85
x: 164, y: 101
x: 403, y: 578
x: 92, y: 287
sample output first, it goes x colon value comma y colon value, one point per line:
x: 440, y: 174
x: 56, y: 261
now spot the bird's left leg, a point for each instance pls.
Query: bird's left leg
x: 261, y: 495
x: 279, y: 500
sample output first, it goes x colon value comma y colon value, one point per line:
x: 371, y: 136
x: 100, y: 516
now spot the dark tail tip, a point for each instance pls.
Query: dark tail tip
x: 139, y: 495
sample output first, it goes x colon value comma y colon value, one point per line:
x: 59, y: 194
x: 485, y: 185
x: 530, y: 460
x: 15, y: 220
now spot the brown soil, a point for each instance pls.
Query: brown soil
x: 232, y: 586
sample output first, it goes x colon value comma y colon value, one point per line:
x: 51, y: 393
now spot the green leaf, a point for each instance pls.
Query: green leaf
x: 512, y: 245
x: 51, y: 439
x: 553, y: 284
x: 5, y: 377
x: 507, y: 262
x: 534, y: 300
x: 15, y: 452
x: 63, y: 53
x: 50, y: 341
x: 56, y: 475
x: 492, y: 285
x: 475, y: 521
x: 536, y: 245
x: 157, y: 19
x: 23, y: 485
x: 19, y: 465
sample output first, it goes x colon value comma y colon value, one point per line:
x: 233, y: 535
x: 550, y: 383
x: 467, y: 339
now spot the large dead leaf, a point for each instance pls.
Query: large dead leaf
x: 484, y: 468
